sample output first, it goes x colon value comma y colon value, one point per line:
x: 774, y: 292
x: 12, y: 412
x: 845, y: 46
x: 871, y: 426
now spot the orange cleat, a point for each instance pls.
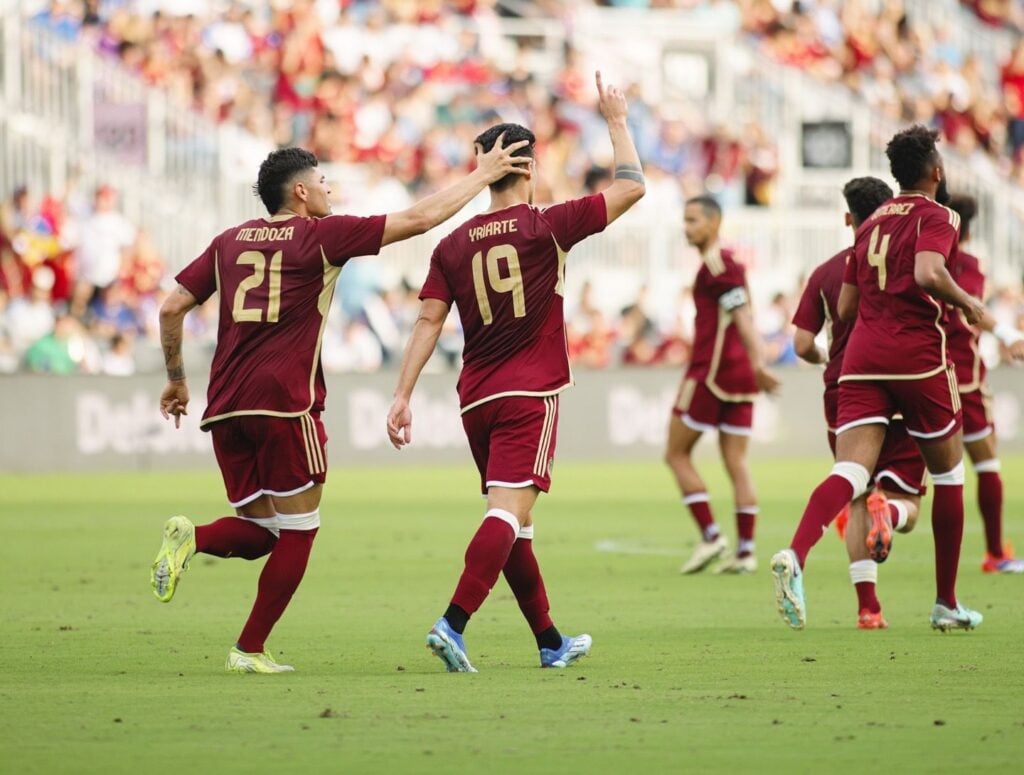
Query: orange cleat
x: 842, y: 519
x: 1005, y: 564
x: 880, y: 534
x: 870, y: 621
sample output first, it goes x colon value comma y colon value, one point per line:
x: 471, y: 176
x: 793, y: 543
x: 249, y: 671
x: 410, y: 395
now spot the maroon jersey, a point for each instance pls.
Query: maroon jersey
x: 506, y: 273
x: 899, y: 330
x: 961, y: 336
x: 819, y: 308
x: 276, y: 280
x: 719, y: 359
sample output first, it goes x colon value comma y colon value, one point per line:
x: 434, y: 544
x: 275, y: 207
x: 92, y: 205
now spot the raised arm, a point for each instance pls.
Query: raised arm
x: 628, y: 186
x: 174, y: 398
x: 421, y: 345
x: 439, y: 207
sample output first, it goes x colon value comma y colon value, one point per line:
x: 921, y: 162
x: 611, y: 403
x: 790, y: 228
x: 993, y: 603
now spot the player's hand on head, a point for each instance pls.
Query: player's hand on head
x: 174, y: 401
x: 400, y: 424
x: 499, y: 162
x: 767, y: 382
x: 610, y: 100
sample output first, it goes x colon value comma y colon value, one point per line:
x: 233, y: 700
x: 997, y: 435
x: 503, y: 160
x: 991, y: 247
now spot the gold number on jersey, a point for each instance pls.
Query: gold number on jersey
x: 258, y: 261
x: 877, y: 252
x: 512, y: 283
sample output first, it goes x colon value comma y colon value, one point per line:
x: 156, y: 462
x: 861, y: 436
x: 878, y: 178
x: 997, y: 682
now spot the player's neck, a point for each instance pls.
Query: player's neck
x: 290, y: 211
x: 505, y: 199
x: 916, y: 192
x: 710, y: 247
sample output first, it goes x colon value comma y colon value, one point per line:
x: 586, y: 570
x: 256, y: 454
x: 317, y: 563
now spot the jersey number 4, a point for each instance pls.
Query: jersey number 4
x: 511, y: 283
x: 258, y: 261
x: 878, y: 249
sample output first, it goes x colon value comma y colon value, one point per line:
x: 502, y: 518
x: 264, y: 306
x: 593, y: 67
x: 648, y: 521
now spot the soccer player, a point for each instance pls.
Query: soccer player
x: 276, y: 278
x: 717, y: 393
x: 505, y: 270
x: 900, y: 471
x: 896, y: 361
x: 979, y: 431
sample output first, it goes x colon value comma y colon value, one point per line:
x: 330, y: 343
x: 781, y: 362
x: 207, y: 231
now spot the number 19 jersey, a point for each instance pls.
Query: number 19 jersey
x: 505, y: 271
x: 276, y: 279
x: 899, y: 331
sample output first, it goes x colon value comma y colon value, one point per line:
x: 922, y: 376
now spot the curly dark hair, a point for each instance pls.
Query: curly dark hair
x: 864, y: 196
x: 513, y: 134
x: 966, y: 206
x: 912, y: 155
x: 277, y: 171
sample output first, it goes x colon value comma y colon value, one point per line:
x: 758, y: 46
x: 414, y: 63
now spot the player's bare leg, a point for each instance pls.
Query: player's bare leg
x: 679, y: 457
x: 998, y: 556
x: 733, y: 448
x: 297, y: 519
x: 945, y: 463
x: 856, y: 454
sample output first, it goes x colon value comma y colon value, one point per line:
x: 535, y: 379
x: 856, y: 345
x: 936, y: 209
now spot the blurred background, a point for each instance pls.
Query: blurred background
x: 131, y: 132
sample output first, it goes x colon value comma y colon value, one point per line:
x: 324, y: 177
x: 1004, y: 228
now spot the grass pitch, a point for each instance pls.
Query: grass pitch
x: 687, y: 674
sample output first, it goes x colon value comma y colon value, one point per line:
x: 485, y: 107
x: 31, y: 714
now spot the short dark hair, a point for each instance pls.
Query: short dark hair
x: 707, y: 202
x: 864, y: 196
x: 277, y: 171
x: 966, y: 206
x: 594, y: 177
x: 513, y: 133
x: 912, y: 154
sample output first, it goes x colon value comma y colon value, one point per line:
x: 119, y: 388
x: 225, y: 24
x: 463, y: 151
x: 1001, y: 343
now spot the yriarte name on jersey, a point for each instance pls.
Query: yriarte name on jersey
x: 492, y: 229
x: 265, y: 234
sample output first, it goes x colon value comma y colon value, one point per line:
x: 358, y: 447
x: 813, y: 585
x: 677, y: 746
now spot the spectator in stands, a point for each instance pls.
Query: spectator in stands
x: 106, y: 237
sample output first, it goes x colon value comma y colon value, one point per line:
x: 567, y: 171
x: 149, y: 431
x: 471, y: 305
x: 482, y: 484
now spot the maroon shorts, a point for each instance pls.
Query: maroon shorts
x: 513, y: 440
x: 930, y: 406
x: 977, y: 414
x: 702, y: 410
x: 263, y: 455
x: 900, y: 467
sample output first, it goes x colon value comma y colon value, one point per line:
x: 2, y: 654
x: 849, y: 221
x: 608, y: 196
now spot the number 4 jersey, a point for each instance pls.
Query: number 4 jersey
x: 505, y: 271
x: 276, y: 279
x: 899, y: 330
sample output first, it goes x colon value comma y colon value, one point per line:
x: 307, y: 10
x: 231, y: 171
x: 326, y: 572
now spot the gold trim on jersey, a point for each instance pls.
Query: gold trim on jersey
x: 724, y: 321
x: 540, y: 462
x: 954, y: 392
x: 924, y: 375
x: 975, y: 382
x: 713, y: 260
x: 323, y: 306
x: 510, y: 393
x: 686, y: 392
x: 829, y: 323
x: 314, y: 454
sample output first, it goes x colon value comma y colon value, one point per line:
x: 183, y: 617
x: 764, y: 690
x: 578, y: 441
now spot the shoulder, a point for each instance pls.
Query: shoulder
x: 936, y: 213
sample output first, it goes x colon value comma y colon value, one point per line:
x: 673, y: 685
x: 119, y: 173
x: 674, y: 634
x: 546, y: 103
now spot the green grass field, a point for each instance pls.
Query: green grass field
x: 687, y: 674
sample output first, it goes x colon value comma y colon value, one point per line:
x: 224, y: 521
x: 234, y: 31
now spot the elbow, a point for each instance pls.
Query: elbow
x: 804, y: 348
x: 636, y: 191
x: 171, y: 312
x: 419, y: 223
x: 926, y: 277
x: 847, y: 312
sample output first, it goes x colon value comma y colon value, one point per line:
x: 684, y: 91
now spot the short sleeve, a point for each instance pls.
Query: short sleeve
x: 730, y: 278
x: 810, y: 314
x: 347, y: 236
x: 937, y: 231
x: 850, y: 273
x: 200, y: 277
x: 436, y: 285
x: 577, y: 219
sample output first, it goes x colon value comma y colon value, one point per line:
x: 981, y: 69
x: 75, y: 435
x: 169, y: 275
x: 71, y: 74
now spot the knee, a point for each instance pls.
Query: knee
x: 677, y: 457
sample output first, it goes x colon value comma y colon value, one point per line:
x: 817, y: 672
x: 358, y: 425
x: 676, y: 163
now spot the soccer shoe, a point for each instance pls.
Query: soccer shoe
x: 571, y: 650
x: 879, y: 539
x: 1005, y: 564
x: 866, y: 620
x: 704, y: 553
x: 842, y: 520
x: 449, y: 647
x: 172, y: 560
x: 733, y: 564
x: 243, y: 662
x: 789, y: 588
x: 959, y: 618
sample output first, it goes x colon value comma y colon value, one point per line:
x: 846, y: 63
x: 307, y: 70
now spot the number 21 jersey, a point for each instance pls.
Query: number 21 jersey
x: 276, y: 279
x: 505, y: 271
x: 899, y: 330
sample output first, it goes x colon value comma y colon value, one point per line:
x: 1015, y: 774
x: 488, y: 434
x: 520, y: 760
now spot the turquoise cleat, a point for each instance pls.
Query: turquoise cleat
x: 959, y: 618
x: 449, y: 647
x: 789, y: 588
x: 571, y: 650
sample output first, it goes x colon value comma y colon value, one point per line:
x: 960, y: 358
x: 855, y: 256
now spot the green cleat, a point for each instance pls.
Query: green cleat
x: 789, y: 588
x: 243, y: 662
x: 172, y: 560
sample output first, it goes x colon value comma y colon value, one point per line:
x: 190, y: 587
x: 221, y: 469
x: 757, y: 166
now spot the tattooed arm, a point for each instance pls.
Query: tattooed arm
x: 174, y: 398
x: 628, y: 186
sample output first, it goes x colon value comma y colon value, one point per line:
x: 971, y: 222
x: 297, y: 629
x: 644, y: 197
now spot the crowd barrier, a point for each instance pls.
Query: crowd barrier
x: 64, y: 424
